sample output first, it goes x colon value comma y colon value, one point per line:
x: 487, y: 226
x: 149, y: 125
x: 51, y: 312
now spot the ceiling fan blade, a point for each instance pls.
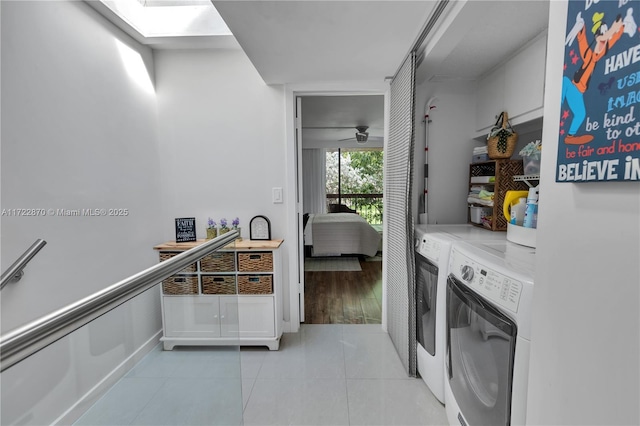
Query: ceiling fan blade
x: 328, y: 128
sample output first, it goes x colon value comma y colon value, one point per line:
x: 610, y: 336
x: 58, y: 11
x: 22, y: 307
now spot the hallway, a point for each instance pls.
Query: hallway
x: 323, y: 375
x: 344, y: 297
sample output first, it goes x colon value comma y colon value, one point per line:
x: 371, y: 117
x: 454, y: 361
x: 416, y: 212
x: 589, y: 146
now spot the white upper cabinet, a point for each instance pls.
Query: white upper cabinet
x: 524, y: 80
x: 516, y: 87
x: 490, y: 98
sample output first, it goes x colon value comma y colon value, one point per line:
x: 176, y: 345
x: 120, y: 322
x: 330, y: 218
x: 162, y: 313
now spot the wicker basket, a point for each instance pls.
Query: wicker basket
x: 180, y: 284
x: 218, y: 262
x: 219, y: 284
x: 502, y: 144
x: 255, y: 262
x: 255, y: 284
x: 165, y: 255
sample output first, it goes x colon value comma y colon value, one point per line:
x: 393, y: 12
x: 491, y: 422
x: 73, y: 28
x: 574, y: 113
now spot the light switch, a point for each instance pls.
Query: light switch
x: 277, y: 195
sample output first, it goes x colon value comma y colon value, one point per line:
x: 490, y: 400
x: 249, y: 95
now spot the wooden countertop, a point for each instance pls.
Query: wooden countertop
x: 245, y: 244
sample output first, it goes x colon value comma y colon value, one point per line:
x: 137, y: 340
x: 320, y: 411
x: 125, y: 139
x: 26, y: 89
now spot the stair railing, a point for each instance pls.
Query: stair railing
x: 15, y: 271
x: 24, y: 341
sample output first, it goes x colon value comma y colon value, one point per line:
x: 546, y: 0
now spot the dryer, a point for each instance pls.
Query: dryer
x: 489, y: 300
x: 432, y: 262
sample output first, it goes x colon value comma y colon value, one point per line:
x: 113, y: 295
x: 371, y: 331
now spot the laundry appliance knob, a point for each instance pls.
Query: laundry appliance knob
x: 467, y: 273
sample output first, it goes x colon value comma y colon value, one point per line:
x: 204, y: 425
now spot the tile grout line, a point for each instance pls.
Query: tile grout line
x: 344, y: 365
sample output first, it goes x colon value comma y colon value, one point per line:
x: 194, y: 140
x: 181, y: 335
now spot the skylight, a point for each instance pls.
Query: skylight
x: 170, y: 18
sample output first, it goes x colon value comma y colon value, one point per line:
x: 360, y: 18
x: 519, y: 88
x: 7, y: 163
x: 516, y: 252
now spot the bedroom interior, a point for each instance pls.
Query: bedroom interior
x: 342, y: 222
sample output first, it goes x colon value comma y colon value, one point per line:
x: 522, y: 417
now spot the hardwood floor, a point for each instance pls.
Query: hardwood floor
x: 341, y: 297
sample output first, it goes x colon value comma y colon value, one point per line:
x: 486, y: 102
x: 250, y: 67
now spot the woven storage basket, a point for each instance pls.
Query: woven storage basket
x: 180, y: 284
x: 164, y: 255
x: 255, y: 262
x: 218, y: 262
x: 502, y: 145
x: 219, y: 284
x: 255, y: 284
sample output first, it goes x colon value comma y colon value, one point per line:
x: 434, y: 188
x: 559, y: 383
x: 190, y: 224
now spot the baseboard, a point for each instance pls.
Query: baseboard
x: 83, y: 404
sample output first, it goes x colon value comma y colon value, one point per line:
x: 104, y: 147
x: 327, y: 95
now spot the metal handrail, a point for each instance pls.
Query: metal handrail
x: 24, y: 341
x: 14, y: 273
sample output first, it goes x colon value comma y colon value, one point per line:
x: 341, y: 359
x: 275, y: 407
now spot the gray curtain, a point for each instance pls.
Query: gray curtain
x: 398, y: 192
x: 314, y: 181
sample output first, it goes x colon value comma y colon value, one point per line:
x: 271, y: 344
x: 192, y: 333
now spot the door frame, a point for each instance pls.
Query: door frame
x: 295, y: 252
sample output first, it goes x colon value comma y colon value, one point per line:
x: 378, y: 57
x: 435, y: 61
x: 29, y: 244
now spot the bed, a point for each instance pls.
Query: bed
x: 336, y: 234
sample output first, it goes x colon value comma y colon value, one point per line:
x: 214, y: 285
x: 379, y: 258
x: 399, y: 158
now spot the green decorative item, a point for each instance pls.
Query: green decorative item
x: 223, y: 226
x: 236, y: 226
x: 212, y: 230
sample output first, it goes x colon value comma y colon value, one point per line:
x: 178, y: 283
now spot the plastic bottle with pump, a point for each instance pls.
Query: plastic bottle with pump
x: 531, y: 211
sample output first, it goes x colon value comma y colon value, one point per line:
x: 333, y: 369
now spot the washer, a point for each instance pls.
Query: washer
x: 489, y: 299
x: 432, y: 263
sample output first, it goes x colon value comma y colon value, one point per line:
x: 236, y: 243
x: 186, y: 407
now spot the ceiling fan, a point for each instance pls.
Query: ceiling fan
x: 362, y: 136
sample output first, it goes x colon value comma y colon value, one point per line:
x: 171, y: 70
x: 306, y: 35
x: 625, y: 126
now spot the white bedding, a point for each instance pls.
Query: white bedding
x: 334, y: 234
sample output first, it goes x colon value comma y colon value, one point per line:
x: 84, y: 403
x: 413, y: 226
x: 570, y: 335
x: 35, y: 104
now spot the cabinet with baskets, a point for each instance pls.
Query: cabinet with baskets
x: 231, y: 297
x: 497, y: 177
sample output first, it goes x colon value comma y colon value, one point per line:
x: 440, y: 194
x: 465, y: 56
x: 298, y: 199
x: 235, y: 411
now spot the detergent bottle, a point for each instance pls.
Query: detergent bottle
x: 514, y: 206
x: 531, y: 211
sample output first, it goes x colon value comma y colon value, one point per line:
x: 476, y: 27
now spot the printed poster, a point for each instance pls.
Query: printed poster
x: 599, y: 136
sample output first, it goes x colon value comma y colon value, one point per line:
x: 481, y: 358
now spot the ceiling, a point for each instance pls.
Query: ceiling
x: 307, y: 41
x: 328, y: 120
x: 340, y: 41
x: 317, y: 41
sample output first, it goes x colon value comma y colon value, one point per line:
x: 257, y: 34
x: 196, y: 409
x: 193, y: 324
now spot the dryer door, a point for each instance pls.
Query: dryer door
x: 481, y: 345
x: 426, y: 295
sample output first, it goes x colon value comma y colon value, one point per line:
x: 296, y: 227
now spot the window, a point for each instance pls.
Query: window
x: 354, y: 179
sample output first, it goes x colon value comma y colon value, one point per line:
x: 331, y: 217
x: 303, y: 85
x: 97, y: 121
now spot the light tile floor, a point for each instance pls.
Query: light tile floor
x: 322, y: 375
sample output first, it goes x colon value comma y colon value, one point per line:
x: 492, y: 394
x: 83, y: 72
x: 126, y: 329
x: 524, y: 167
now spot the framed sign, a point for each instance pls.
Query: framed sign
x: 260, y: 228
x: 599, y: 136
x: 185, y: 229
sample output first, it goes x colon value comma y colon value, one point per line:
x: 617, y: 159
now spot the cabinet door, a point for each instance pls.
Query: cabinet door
x: 229, y: 316
x: 524, y: 79
x: 256, y: 315
x: 489, y: 99
x: 191, y: 316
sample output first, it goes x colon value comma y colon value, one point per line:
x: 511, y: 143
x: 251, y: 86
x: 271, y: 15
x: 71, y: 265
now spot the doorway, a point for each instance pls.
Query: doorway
x: 340, y: 145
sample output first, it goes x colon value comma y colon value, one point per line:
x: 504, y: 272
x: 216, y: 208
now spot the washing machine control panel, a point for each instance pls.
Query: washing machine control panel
x: 430, y: 249
x: 489, y: 283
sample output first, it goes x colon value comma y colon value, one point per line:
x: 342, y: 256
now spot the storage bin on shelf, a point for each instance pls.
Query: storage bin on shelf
x: 255, y: 262
x: 218, y: 284
x: 218, y: 262
x: 476, y: 214
x: 180, y: 284
x: 166, y: 255
x: 255, y: 284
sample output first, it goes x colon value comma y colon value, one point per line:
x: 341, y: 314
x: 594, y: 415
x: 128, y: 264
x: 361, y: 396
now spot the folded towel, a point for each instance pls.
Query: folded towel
x: 486, y: 195
x: 476, y: 200
x: 481, y: 150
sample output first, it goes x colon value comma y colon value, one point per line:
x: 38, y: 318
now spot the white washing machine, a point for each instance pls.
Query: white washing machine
x: 432, y: 263
x: 489, y: 299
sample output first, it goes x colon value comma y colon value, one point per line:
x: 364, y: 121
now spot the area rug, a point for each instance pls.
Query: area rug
x: 332, y: 264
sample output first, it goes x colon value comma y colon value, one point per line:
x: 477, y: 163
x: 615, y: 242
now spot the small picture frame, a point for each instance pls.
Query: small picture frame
x: 185, y: 229
x: 260, y: 228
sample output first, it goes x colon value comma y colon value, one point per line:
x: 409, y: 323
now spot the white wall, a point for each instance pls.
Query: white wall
x: 450, y: 149
x: 77, y: 132
x: 585, y: 356
x: 222, y: 142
